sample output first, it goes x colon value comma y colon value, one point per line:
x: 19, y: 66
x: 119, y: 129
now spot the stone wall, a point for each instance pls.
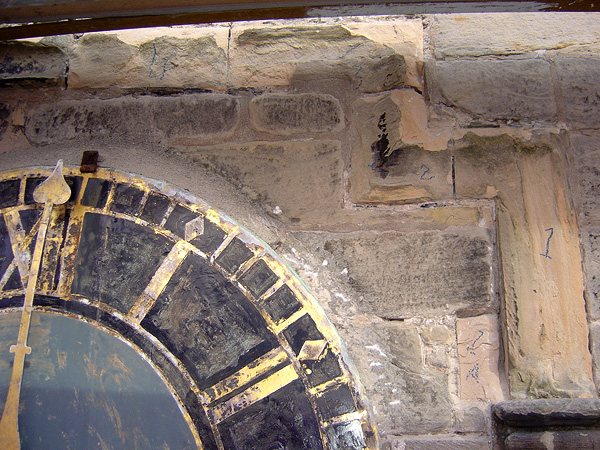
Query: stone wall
x: 433, y: 180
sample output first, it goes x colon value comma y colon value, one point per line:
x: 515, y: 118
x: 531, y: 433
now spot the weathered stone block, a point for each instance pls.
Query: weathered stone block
x: 301, y: 181
x: 304, y: 52
x: 478, y: 342
x: 551, y: 440
x: 551, y: 412
x: 186, y: 57
x: 405, y: 396
x: 440, y: 443
x: 470, y: 420
x: 586, y: 158
x: 31, y: 65
x: 495, y: 89
x: 578, y: 79
x: 595, y: 349
x: 390, y: 159
x: 399, y: 275
x: 590, y: 241
x: 300, y: 113
x: 459, y: 35
x: 189, y: 117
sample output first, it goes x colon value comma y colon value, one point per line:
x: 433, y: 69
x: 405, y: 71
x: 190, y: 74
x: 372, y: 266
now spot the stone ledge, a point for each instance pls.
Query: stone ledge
x: 544, y: 413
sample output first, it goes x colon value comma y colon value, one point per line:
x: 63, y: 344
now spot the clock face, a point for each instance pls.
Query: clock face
x: 160, y: 323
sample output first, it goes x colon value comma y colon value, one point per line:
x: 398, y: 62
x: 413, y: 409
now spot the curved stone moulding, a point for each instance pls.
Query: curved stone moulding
x: 243, y: 345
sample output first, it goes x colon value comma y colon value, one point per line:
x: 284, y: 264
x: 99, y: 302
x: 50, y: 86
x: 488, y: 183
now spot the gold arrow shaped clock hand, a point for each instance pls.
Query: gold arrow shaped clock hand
x: 52, y: 191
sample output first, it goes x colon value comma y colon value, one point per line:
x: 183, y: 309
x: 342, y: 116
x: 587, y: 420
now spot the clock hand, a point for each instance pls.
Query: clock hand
x: 52, y: 191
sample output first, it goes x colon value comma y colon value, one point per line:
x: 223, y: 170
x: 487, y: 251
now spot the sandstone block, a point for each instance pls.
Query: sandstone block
x: 470, y: 420
x: 390, y: 158
x: 478, y: 342
x: 191, y: 117
x: 460, y: 35
x: 405, y: 396
x: 302, y: 52
x: 590, y: 241
x: 441, y: 443
x: 495, y: 89
x: 578, y: 79
x: 551, y: 440
x: 185, y: 57
x: 586, y: 158
x: 595, y: 349
x: 432, y: 272
x: 301, y: 181
x: 31, y: 65
x: 300, y: 113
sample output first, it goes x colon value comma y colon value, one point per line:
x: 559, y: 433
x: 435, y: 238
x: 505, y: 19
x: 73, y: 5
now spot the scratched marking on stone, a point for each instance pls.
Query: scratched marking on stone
x: 545, y: 255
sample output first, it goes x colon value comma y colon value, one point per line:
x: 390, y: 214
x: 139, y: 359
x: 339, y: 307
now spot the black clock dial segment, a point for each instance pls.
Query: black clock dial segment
x: 159, y: 322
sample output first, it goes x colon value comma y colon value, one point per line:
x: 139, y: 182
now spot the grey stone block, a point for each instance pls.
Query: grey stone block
x: 288, y: 114
x: 406, y: 396
x: 192, y: 116
x: 31, y: 65
x: 563, y: 440
x: 578, y: 79
x: 399, y: 275
x: 495, y: 89
x: 453, y: 443
x: 543, y: 413
x: 586, y: 188
x: 595, y: 350
x: 590, y: 241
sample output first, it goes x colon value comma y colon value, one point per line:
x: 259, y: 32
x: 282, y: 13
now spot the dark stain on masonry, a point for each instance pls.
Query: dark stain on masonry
x: 381, y: 148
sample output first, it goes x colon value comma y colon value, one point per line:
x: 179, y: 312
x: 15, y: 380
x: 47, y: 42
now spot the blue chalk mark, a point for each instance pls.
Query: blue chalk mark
x: 356, y: 75
x: 545, y: 255
x: 474, y: 373
x: 164, y: 65
x: 427, y: 169
x: 471, y: 347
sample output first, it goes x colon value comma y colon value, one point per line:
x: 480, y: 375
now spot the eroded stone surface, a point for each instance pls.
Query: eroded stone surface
x: 31, y: 64
x: 580, y: 91
x: 429, y: 271
x: 288, y: 114
x: 461, y: 35
x: 192, y: 116
x: 189, y: 57
x: 590, y: 242
x: 551, y: 440
x: 496, y: 89
x: 440, y: 443
x: 297, y: 180
x: 586, y: 188
x: 302, y: 52
x: 391, y: 160
x: 406, y: 397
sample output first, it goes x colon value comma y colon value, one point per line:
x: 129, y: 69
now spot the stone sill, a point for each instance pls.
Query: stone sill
x: 547, y: 413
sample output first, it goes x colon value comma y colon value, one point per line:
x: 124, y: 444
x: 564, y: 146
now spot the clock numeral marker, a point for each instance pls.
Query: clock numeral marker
x: 20, y: 243
x: 253, y: 394
x: 255, y: 369
x: 158, y: 282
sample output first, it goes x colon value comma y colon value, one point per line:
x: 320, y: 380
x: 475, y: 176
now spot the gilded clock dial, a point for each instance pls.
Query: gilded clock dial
x: 247, y: 356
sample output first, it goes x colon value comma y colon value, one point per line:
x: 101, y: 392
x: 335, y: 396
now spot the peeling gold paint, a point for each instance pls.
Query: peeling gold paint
x: 254, y: 394
x: 244, y: 376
